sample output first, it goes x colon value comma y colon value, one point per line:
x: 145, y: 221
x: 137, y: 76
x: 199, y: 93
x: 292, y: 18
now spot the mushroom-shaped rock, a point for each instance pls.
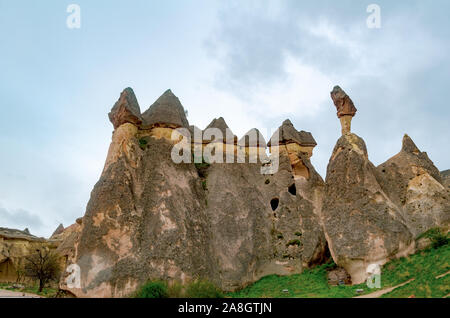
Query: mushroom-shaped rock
x: 125, y: 110
x: 344, y: 105
x: 252, y: 138
x: 345, y: 108
x: 219, y: 123
x: 167, y: 111
x: 288, y: 134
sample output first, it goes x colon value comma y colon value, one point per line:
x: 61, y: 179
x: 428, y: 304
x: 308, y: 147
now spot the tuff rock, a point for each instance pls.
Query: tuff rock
x: 15, y: 246
x: 232, y: 223
x: 415, y: 185
x: 362, y: 224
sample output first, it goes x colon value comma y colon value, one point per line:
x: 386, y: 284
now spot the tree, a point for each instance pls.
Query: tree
x: 44, y: 266
x: 20, y: 272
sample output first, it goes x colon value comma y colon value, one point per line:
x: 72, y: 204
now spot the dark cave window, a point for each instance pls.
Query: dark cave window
x: 274, y: 203
x: 292, y: 189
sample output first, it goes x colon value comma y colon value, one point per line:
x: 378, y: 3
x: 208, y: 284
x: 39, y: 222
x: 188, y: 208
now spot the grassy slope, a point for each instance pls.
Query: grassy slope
x: 424, y: 267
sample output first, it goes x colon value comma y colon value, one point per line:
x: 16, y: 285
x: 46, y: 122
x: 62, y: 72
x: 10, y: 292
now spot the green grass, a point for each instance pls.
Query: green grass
x: 153, y: 289
x: 312, y: 283
x: 143, y: 143
x: 46, y: 292
x: 194, y: 289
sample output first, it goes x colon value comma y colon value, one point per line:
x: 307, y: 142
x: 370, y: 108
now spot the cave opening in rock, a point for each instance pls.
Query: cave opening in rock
x: 292, y: 189
x: 274, y: 203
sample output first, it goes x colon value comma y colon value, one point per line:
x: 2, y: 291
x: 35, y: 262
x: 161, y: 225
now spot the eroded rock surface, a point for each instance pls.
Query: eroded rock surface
x: 232, y: 223
x: 166, y: 111
x: 15, y: 246
x: 149, y: 217
x: 416, y: 186
x: 125, y: 110
x: 445, y: 175
x: 362, y: 225
x: 344, y: 104
x: 261, y: 224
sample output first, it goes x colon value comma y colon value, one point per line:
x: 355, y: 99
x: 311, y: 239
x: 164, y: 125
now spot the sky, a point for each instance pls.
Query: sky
x: 255, y: 63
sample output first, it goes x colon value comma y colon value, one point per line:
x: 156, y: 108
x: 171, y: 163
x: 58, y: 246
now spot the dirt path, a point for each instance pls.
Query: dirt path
x: 443, y: 275
x: 13, y: 294
x: 381, y: 292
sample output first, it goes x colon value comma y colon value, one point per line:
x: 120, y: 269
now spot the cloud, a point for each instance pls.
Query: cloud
x: 20, y: 219
x: 287, y: 60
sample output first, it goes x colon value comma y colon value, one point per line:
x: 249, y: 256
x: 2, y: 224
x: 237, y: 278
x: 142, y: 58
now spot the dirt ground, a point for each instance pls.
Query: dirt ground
x: 13, y: 294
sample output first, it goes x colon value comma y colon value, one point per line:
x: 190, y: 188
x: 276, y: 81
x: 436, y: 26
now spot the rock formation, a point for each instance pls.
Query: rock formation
x: 15, y: 246
x: 362, y: 225
x: 345, y: 108
x: 149, y: 217
x: 125, y: 110
x: 287, y: 140
x: 445, y: 175
x: 227, y: 134
x: 232, y: 223
x: 59, y: 230
x: 415, y: 185
x: 167, y: 111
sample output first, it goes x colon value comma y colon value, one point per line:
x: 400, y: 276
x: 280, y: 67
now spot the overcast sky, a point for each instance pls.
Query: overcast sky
x: 255, y: 63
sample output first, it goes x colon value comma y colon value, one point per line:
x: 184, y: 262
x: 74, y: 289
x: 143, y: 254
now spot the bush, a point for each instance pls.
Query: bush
x: 439, y: 240
x: 142, y: 143
x: 203, y: 289
x: 176, y: 290
x: 436, y: 236
x: 153, y: 289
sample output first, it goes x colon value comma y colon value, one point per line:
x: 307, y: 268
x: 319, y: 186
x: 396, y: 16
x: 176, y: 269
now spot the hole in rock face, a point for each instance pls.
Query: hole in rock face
x: 274, y: 203
x: 292, y: 189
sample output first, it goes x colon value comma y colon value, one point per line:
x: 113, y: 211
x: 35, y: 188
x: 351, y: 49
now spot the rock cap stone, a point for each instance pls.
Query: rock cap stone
x: 343, y: 103
x: 288, y: 134
x: 248, y: 140
x: 165, y: 111
x: 220, y: 124
x: 126, y: 109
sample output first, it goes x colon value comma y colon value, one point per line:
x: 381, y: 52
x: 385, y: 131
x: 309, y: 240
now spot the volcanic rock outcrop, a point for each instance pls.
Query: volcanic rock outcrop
x: 362, y: 225
x: 149, y: 217
x: 345, y: 108
x: 126, y: 110
x: 232, y: 222
x: 15, y: 246
x: 290, y: 142
x: 415, y: 185
x: 445, y: 175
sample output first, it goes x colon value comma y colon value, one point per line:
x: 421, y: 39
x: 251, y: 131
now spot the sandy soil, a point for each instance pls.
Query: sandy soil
x: 13, y: 294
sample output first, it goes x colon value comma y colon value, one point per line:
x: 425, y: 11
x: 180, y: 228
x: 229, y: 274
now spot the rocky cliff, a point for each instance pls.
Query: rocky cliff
x: 15, y: 246
x: 234, y: 222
